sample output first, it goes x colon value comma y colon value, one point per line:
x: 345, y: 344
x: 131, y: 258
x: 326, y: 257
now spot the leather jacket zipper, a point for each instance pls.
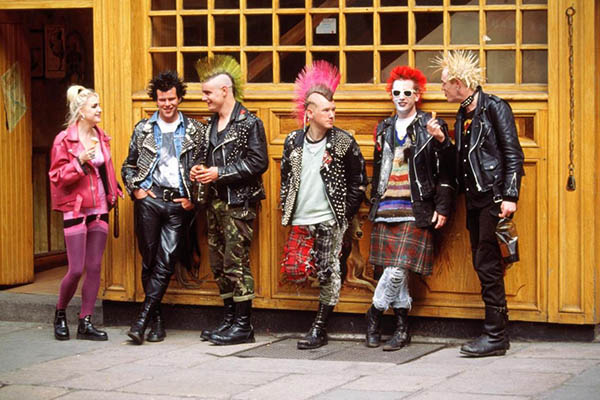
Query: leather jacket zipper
x: 471, y: 164
x: 419, y: 186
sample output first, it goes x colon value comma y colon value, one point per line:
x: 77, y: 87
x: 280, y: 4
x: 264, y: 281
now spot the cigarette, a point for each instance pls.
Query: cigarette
x: 433, y: 114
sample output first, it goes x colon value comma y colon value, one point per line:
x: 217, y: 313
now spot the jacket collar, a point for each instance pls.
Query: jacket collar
x: 299, y: 139
x: 73, y: 134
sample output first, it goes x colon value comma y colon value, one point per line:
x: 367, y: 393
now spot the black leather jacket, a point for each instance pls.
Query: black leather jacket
x: 495, y: 154
x: 143, y: 153
x: 431, y: 168
x: 241, y: 156
x: 342, y: 171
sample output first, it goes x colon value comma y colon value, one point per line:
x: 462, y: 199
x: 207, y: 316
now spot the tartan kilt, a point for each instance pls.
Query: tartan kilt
x: 402, y: 244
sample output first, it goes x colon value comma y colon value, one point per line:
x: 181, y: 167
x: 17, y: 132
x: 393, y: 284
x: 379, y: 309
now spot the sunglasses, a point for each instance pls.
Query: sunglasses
x: 406, y: 93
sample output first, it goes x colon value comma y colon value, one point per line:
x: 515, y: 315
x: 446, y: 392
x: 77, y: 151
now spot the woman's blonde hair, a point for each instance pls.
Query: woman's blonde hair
x: 77, y: 96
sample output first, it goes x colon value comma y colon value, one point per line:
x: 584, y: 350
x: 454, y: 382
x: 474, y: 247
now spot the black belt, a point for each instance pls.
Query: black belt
x: 166, y: 193
x: 67, y: 223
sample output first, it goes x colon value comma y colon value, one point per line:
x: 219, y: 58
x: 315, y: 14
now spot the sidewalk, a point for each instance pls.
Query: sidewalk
x: 35, y: 366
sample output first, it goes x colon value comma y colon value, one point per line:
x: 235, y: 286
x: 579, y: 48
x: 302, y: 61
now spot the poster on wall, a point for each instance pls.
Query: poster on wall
x: 55, y: 51
x: 13, y: 92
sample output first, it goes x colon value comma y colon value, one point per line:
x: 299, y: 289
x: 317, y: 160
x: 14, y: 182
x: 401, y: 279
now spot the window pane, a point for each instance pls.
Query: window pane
x: 163, y: 4
x: 291, y: 30
x: 259, y: 3
x: 389, y: 60
x: 359, y: 3
x: 423, y: 62
x: 464, y: 28
x: 290, y: 65
x: 195, y: 31
x: 394, y: 3
x: 233, y: 54
x: 535, y: 66
x: 227, y: 30
x: 332, y: 57
x: 535, y: 1
x: 359, y: 29
x: 500, y: 2
x: 394, y: 28
x: 535, y: 27
x: 189, y: 65
x: 500, y: 66
x: 325, y: 30
x: 359, y: 66
x: 163, y: 62
x: 429, y: 2
x: 227, y: 4
x: 464, y: 2
x: 259, y: 30
x: 260, y: 66
x: 291, y: 4
x: 163, y: 31
x: 195, y: 4
x: 500, y: 27
x: 430, y: 28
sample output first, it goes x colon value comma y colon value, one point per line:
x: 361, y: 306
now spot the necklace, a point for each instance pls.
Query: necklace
x: 467, y: 102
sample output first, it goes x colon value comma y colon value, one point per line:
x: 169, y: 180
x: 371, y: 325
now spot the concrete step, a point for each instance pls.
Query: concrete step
x: 40, y: 308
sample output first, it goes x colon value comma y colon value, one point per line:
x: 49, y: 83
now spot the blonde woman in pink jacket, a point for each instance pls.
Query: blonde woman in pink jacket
x: 83, y: 186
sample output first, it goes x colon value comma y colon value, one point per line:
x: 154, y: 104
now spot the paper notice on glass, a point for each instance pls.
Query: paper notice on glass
x: 13, y: 91
x: 327, y: 27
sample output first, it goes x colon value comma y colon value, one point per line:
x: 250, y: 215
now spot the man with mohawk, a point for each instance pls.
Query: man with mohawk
x: 232, y: 160
x: 322, y: 186
x: 413, y: 189
x: 490, y: 167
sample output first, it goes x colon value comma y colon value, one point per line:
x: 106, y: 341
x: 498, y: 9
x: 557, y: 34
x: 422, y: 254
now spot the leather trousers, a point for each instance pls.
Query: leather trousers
x: 487, y: 258
x: 159, y: 226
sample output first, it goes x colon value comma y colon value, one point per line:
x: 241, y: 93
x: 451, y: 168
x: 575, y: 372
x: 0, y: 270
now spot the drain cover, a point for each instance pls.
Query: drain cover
x: 338, y: 350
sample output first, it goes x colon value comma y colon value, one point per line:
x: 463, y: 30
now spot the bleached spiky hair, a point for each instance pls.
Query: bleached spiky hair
x: 320, y: 77
x: 462, y: 65
x: 208, y: 68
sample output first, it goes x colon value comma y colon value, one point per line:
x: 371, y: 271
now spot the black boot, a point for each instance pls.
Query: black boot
x: 494, y: 340
x: 138, y: 328
x: 228, y: 317
x: 241, y: 331
x: 373, y: 323
x: 317, y: 335
x: 87, y: 331
x: 157, y: 328
x: 401, y: 336
x: 61, y: 330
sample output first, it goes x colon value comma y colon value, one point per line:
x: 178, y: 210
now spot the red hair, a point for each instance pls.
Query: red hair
x: 407, y: 73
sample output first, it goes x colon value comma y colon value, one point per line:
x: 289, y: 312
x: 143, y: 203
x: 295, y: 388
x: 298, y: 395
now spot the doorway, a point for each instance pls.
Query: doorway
x: 61, y: 54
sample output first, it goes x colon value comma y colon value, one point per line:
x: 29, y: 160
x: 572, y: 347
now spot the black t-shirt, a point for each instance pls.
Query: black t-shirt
x: 475, y: 199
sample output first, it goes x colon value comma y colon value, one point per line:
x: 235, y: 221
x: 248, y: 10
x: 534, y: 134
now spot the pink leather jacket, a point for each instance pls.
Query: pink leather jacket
x: 73, y: 186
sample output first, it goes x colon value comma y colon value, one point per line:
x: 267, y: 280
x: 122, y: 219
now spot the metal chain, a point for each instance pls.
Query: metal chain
x: 571, y: 179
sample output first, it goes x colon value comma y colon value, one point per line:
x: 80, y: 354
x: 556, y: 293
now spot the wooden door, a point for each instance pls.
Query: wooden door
x: 16, y: 224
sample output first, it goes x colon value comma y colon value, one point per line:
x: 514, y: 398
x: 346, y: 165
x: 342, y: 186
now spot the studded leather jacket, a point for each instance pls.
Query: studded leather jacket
x: 495, y: 154
x: 342, y: 171
x: 430, y: 166
x: 241, y: 156
x: 143, y: 154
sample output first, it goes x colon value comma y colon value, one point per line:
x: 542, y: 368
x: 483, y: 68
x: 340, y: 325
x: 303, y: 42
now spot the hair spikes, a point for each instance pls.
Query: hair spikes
x: 207, y: 68
x: 320, y: 77
x: 462, y: 65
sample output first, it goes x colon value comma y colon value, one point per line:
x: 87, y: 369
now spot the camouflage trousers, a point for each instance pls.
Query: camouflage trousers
x: 230, y: 231
x: 326, y: 251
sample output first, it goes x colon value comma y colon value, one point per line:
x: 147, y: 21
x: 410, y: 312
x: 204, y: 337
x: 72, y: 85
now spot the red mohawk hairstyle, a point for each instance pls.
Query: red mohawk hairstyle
x: 407, y: 73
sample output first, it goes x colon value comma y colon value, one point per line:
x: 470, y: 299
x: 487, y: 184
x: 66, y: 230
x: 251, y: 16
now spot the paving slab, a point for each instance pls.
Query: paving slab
x: 571, y: 393
x: 434, y: 395
x: 569, y: 366
x: 488, y: 381
x: 96, y: 380
x: 344, y: 394
x: 24, y: 392
x: 295, y: 387
x: 577, y: 351
x: 98, y: 395
x: 394, y: 383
